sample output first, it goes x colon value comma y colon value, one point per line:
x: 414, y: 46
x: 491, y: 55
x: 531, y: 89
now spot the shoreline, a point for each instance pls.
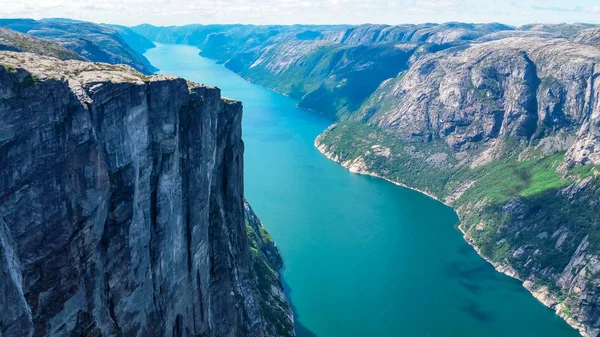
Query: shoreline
x: 541, y: 294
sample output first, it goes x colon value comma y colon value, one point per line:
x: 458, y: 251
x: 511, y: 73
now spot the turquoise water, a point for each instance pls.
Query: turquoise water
x: 364, y: 258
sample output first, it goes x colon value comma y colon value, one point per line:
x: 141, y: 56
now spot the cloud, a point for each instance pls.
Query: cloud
x: 170, y: 12
x: 557, y: 9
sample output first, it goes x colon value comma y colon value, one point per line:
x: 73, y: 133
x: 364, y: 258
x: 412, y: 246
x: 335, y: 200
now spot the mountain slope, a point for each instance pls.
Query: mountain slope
x: 507, y: 132
x: 503, y: 124
x: 95, y: 42
x: 330, y: 69
x: 134, y: 40
x: 11, y: 40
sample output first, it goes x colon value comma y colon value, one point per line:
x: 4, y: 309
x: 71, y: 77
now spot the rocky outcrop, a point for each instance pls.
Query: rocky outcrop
x: 529, y: 88
x: 121, y: 207
x: 589, y: 36
x: 95, y: 42
x: 565, y: 30
x: 11, y: 40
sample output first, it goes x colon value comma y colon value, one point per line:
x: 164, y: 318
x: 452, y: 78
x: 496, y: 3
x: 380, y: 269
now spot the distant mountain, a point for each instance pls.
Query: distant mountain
x: 136, y: 41
x: 95, y: 42
x: 563, y: 29
x: 14, y: 41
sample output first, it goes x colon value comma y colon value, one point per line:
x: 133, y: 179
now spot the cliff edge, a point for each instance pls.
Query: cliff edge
x: 121, y: 206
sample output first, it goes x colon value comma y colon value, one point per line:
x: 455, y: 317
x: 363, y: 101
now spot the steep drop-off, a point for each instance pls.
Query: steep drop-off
x: 122, y: 211
x: 502, y: 124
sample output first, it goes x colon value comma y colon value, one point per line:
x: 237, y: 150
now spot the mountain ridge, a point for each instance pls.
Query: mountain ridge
x: 95, y: 42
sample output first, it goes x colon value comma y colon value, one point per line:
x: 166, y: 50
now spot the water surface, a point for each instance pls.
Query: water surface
x: 363, y: 257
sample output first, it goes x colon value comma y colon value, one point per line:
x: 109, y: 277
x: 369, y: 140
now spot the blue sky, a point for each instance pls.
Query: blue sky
x: 178, y: 12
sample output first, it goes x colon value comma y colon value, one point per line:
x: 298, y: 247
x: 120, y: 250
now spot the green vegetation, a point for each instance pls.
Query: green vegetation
x: 507, y: 205
x: 330, y: 78
x: 266, y: 262
x: 585, y: 171
x: 509, y: 177
x: 10, y: 68
x: 29, y: 81
x: 406, y: 165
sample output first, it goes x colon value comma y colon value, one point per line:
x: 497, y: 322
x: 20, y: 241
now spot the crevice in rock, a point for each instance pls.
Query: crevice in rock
x: 533, y: 83
x: 111, y: 305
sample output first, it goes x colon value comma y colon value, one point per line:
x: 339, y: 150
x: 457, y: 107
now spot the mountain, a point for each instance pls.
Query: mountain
x: 122, y: 209
x: 563, y: 29
x: 136, y: 41
x: 14, y: 41
x: 501, y: 123
x: 587, y: 36
x: 308, y: 63
x: 95, y: 42
x: 508, y: 133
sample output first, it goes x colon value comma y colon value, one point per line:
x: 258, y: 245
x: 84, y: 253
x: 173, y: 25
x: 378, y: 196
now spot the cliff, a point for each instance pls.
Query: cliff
x: 121, y: 208
x: 97, y: 43
x: 500, y: 123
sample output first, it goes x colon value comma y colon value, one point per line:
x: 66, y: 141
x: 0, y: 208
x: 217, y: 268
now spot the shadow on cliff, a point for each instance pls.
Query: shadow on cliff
x: 301, y: 330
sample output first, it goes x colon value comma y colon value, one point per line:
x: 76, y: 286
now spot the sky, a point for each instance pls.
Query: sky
x: 179, y: 12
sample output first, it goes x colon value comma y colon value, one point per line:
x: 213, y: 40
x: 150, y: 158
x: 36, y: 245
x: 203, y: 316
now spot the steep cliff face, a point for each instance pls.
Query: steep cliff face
x: 121, y: 207
x: 527, y: 88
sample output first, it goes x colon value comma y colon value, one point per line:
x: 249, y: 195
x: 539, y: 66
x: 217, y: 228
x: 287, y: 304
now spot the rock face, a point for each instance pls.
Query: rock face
x: 589, y: 36
x: 528, y: 88
x: 95, y: 42
x: 121, y: 207
x: 503, y: 124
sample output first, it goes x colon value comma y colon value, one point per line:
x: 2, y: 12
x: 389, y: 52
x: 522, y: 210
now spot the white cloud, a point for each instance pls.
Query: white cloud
x: 176, y: 12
